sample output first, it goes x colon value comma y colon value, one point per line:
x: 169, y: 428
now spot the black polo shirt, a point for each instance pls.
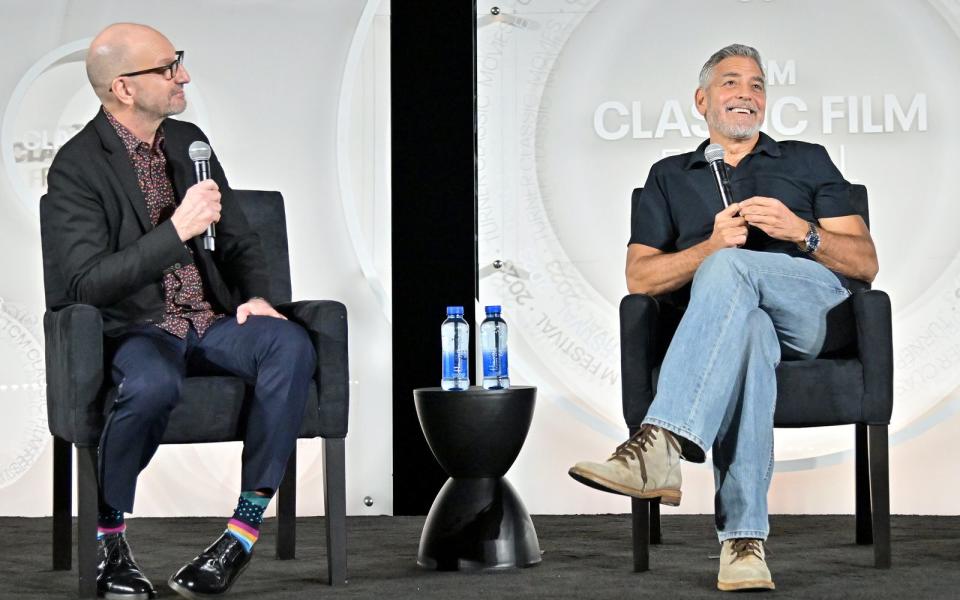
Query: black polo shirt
x: 680, y: 199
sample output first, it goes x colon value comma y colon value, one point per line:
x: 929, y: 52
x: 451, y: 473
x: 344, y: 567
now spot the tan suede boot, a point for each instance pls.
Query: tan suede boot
x: 645, y: 466
x: 743, y: 566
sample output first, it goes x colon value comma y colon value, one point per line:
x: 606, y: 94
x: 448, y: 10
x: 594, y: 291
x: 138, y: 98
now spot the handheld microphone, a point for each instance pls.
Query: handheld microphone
x: 200, y: 155
x: 714, y: 155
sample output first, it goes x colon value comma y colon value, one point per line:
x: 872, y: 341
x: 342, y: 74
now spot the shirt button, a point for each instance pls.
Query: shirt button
x: 176, y: 265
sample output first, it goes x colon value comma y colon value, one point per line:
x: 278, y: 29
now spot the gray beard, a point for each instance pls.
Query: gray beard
x: 738, y: 132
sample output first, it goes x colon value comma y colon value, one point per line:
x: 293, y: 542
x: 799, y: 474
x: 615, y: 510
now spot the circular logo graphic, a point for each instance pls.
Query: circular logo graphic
x: 23, y: 429
x: 576, y: 100
x: 49, y: 105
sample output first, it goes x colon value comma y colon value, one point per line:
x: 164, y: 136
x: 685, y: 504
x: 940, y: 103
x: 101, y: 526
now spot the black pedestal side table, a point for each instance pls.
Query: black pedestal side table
x: 477, y: 520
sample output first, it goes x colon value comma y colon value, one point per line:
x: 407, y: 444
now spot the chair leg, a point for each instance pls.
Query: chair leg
x: 641, y: 534
x: 880, y: 494
x: 287, y: 511
x: 862, y: 462
x: 62, y: 504
x: 335, y: 506
x: 87, y: 521
x: 655, y: 532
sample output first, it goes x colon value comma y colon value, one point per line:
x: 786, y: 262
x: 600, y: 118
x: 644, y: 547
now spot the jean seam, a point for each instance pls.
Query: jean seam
x: 714, y: 352
x: 769, y: 474
x: 838, y: 289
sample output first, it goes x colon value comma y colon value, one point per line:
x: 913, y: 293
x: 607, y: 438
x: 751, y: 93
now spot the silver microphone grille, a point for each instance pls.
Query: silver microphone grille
x: 201, y: 151
x: 712, y: 153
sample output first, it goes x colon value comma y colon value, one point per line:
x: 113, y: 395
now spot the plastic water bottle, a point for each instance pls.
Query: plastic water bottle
x: 493, y: 344
x: 455, y: 338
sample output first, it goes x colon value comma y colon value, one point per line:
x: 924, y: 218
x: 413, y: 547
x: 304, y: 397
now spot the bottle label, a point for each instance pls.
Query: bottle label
x: 455, y: 365
x: 495, y: 364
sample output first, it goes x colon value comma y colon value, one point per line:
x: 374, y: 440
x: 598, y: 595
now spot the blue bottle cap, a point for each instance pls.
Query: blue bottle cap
x: 454, y: 310
x: 492, y: 309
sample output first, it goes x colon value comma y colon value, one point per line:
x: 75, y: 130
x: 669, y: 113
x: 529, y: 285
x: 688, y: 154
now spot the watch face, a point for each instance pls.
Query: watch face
x: 813, y: 240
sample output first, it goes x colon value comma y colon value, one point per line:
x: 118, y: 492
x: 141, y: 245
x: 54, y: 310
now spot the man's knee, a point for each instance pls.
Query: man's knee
x: 292, y: 344
x: 759, y: 323
x: 725, y: 260
x: 150, y: 396
x: 723, y: 267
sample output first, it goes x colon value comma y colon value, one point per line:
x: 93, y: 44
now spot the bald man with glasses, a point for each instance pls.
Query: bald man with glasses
x: 122, y: 221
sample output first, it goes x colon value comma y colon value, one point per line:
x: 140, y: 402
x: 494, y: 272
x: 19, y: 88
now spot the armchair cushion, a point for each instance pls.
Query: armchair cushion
x: 819, y: 392
x: 212, y: 408
x: 850, y: 382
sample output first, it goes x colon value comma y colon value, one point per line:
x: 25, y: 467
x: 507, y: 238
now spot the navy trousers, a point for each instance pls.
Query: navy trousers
x: 149, y: 365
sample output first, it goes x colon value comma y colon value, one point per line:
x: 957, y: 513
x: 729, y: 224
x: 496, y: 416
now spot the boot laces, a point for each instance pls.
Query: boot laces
x: 745, y: 548
x: 639, y: 443
x: 119, y: 552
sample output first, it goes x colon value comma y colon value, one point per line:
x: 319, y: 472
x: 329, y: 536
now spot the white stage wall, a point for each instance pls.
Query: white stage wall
x: 294, y: 97
x: 577, y: 98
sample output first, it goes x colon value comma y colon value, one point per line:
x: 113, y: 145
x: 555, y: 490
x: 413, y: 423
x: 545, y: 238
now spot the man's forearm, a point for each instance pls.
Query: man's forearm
x: 850, y: 255
x: 662, y: 273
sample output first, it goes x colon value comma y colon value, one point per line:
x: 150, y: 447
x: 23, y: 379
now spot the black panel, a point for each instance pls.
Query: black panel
x: 433, y: 81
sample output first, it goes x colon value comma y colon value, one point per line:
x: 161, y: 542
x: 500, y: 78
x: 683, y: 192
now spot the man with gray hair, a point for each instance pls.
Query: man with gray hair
x: 121, y: 222
x: 761, y: 274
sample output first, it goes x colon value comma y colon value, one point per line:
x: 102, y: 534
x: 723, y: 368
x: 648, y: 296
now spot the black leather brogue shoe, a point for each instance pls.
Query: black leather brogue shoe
x: 214, y: 571
x: 118, y: 575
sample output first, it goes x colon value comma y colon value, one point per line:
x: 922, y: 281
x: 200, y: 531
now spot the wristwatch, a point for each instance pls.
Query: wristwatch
x: 812, y: 240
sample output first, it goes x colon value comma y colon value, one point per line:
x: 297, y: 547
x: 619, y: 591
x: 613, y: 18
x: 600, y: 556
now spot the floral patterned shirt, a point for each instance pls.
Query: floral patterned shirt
x: 182, y: 285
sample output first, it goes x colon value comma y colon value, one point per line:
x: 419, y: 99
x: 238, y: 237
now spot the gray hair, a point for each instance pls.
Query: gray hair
x: 732, y: 50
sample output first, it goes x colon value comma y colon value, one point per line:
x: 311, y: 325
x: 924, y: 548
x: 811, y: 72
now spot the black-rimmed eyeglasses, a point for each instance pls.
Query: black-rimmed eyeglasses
x: 168, y: 71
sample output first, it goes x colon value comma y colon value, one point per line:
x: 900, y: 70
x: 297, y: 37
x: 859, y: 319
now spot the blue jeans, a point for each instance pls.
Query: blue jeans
x: 718, y: 385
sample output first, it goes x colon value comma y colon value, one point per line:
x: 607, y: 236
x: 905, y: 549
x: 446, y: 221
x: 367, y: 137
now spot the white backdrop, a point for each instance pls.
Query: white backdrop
x: 289, y: 93
x: 577, y: 98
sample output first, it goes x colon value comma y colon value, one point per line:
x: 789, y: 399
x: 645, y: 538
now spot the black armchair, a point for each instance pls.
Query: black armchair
x: 212, y: 408
x: 846, y: 385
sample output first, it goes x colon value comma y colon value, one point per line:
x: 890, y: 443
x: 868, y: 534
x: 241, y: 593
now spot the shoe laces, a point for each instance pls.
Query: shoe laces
x: 745, y: 548
x: 117, y: 551
x: 638, y: 444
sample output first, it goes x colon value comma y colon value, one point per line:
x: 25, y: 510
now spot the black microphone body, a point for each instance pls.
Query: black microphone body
x: 719, y: 169
x: 200, y: 155
x: 714, y: 155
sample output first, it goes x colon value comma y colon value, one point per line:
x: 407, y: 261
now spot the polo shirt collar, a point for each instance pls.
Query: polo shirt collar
x: 765, y: 144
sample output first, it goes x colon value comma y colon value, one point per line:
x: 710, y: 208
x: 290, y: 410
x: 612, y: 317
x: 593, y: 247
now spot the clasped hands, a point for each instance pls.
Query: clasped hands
x: 767, y: 214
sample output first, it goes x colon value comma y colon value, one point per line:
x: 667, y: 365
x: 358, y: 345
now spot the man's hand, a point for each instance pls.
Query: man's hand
x: 200, y: 207
x: 258, y: 307
x: 774, y: 218
x: 729, y: 228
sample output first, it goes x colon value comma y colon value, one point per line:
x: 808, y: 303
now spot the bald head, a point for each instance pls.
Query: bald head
x: 121, y: 48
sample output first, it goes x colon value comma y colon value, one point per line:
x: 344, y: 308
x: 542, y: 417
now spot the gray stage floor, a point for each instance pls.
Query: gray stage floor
x: 583, y: 557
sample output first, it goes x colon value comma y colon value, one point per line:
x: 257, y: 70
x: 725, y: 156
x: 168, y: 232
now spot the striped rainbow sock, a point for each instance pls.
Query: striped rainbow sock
x: 245, y: 533
x: 245, y: 524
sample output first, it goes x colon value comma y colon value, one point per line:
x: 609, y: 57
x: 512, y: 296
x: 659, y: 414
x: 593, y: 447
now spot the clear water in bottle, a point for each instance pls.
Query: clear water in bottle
x: 455, y: 339
x: 493, y: 345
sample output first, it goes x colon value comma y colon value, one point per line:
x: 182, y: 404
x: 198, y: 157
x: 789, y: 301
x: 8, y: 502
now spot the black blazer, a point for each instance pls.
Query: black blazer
x: 100, y: 248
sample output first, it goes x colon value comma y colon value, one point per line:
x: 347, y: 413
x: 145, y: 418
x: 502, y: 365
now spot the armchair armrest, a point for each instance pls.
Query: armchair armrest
x: 326, y: 323
x: 74, y: 358
x: 871, y: 309
x: 639, y: 318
